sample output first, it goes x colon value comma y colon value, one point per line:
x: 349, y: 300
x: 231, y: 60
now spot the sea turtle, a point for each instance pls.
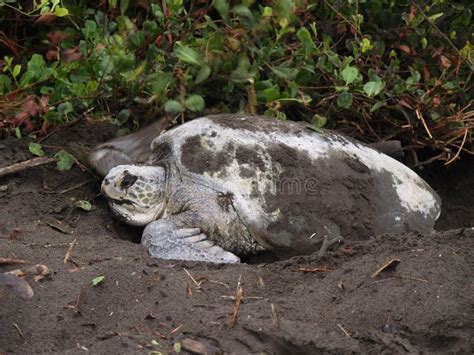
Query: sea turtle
x: 231, y: 185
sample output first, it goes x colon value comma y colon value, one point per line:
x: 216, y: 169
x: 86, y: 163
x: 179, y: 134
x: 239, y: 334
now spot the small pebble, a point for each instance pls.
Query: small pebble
x: 387, y: 328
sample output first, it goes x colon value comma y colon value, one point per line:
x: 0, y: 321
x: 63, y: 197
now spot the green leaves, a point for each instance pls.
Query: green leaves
x: 65, y: 108
x: 277, y: 57
x: 84, y: 205
x: 61, y: 11
x: 203, y: 74
x: 173, y: 106
x: 350, y: 75
x: 97, y: 280
x: 187, y: 54
x: 65, y: 160
x: 344, y: 100
x: 373, y: 88
x: 36, y: 149
x: 195, y: 103
x: 306, y: 41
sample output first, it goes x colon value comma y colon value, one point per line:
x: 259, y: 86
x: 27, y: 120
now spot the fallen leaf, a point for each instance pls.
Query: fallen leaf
x: 52, y: 55
x: 70, y: 55
x: 43, y: 104
x: 56, y: 37
x: 445, y: 62
x: 404, y: 48
x: 31, y: 106
x: 426, y: 74
x: 97, y: 280
x: 45, y: 19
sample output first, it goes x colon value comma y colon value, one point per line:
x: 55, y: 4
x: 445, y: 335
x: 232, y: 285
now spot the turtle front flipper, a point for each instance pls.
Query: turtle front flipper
x: 164, y: 240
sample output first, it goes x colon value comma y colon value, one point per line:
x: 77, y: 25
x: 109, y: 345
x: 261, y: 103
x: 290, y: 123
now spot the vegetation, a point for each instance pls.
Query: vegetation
x: 378, y: 70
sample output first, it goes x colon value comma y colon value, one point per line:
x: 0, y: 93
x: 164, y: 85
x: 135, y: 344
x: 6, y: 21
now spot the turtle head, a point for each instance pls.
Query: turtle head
x: 136, y: 194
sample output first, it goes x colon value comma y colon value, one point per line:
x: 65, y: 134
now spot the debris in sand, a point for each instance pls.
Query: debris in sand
x: 57, y: 227
x: 219, y: 283
x: 198, y: 285
x: 18, y: 330
x: 77, y: 186
x: 345, y: 331
x: 314, y: 270
x: 390, y: 265
x: 9, y: 261
x: 410, y: 278
x: 69, y: 251
x: 189, y: 291
x: 274, y: 315
x: 17, y: 167
x: 38, y: 271
x: 176, y: 329
x: 199, y: 347
x: 233, y: 298
x: 238, y: 300
x: 341, y: 285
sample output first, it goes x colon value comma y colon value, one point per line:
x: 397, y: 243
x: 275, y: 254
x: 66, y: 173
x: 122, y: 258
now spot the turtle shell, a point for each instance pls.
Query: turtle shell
x: 292, y: 184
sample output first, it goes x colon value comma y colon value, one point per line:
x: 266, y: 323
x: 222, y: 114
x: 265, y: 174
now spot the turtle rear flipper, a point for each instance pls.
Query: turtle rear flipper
x: 163, y: 240
x: 134, y: 148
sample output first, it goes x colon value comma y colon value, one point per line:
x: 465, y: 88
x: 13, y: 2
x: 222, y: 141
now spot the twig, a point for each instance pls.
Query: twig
x: 345, y: 331
x: 235, y: 311
x: 26, y: 165
x: 409, y: 278
x: 19, y: 330
x: 69, y: 189
x: 176, y: 329
x: 420, y: 117
x: 233, y: 298
x: 314, y: 270
x: 274, y: 315
x: 69, y: 251
x: 192, y: 278
x: 459, y: 150
x: 374, y: 283
x: 219, y: 283
x: 8, y: 261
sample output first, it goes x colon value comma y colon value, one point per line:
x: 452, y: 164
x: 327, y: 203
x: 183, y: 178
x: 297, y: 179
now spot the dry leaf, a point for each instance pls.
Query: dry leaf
x: 70, y: 55
x: 30, y: 106
x: 404, y: 48
x: 46, y: 19
x: 43, y: 104
x: 445, y: 62
x: 56, y: 37
x: 426, y: 74
x: 52, y: 55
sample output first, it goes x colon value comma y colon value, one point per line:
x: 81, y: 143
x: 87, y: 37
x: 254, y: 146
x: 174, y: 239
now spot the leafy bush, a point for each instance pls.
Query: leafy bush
x: 379, y: 69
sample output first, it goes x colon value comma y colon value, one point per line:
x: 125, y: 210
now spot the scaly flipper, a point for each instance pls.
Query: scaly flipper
x: 134, y: 148
x: 163, y: 240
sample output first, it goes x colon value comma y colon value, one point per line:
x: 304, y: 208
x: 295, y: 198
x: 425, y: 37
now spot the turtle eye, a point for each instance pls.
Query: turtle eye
x: 127, y: 180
